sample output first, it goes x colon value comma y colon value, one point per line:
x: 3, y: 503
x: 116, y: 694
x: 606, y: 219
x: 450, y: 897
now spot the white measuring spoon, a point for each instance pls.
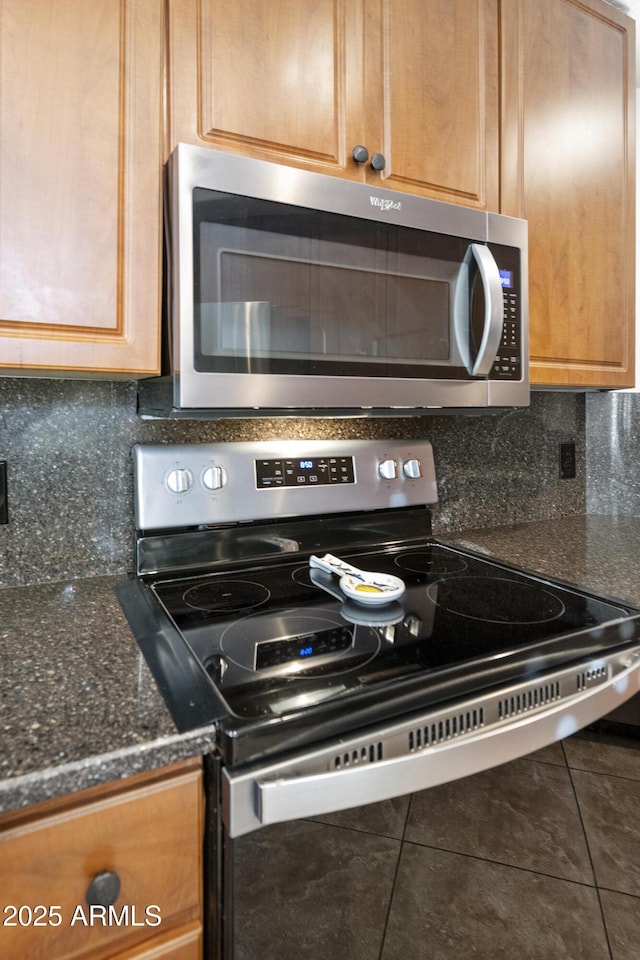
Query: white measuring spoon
x: 364, y: 586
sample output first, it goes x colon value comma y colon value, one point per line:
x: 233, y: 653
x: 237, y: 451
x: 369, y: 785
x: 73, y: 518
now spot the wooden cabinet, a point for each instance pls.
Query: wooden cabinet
x: 80, y: 185
x: 521, y: 105
x: 145, y: 834
x: 568, y: 168
x: 304, y: 83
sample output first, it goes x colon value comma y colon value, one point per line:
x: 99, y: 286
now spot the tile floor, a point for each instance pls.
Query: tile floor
x: 533, y: 860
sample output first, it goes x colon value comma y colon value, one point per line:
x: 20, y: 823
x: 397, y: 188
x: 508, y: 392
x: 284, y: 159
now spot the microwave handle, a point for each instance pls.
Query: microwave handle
x: 494, y: 309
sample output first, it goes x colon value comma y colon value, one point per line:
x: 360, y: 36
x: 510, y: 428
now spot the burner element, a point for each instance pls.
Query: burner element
x: 226, y: 596
x: 496, y: 600
x: 313, y: 641
x: 302, y: 576
x: 433, y: 561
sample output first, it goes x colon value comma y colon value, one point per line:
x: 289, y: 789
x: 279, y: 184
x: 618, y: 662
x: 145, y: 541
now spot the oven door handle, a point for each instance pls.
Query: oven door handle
x: 257, y: 797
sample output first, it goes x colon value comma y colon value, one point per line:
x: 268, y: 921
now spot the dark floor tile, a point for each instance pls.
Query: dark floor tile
x: 523, y: 813
x: 448, y: 907
x: 602, y: 757
x: 610, y: 808
x: 551, y: 754
x: 311, y: 890
x: 386, y: 818
x: 622, y: 920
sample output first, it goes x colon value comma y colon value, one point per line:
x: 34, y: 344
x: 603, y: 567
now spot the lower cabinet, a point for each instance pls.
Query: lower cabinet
x: 111, y: 872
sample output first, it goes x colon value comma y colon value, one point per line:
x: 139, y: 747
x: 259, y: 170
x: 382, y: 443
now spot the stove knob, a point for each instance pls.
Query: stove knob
x: 412, y: 469
x: 388, y: 469
x: 179, y: 480
x: 214, y: 478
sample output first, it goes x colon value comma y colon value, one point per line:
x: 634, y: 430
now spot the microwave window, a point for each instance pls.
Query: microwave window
x: 289, y: 290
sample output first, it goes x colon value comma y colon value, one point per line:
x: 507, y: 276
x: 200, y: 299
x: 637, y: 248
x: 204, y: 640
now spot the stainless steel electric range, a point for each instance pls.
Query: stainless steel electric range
x: 321, y: 702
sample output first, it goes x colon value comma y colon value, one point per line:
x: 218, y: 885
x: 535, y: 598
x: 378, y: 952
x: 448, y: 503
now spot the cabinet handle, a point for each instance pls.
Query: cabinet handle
x: 360, y: 154
x: 378, y: 161
x: 104, y: 889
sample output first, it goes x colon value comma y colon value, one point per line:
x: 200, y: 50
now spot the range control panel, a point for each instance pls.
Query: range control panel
x: 200, y: 484
x: 304, y: 471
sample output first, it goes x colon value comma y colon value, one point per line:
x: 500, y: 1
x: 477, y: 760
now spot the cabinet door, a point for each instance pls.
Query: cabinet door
x: 80, y: 182
x: 304, y: 84
x: 183, y: 944
x: 437, y: 118
x: 276, y: 79
x: 568, y: 168
x: 144, y: 835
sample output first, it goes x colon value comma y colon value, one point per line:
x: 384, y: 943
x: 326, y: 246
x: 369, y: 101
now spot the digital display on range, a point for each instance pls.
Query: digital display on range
x: 275, y: 653
x: 304, y: 472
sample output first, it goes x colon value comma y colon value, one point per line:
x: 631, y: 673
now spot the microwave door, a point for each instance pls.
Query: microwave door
x: 479, y: 311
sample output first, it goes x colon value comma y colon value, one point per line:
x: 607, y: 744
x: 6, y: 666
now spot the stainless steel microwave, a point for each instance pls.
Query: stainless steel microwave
x: 294, y: 292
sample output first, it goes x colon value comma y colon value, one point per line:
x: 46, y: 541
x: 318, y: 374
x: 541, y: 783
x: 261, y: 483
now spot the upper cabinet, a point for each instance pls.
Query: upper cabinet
x: 568, y: 168
x: 80, y: 185
x: 524, y: 106
x: 414, y: 84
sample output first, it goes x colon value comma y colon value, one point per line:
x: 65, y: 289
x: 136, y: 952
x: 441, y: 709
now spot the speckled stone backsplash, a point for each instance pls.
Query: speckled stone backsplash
x: 68, y: 444
x: 613, y: 453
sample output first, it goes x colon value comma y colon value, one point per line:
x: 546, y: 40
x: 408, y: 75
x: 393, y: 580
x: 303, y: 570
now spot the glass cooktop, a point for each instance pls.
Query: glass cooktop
x: 279, y: 638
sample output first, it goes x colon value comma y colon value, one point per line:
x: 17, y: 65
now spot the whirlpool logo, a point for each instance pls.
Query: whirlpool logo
x: 385, y: 204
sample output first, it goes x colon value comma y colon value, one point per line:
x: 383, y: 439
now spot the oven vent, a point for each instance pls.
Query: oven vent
x: 365, y: 754
x: 528, y: 700
x: 587, y: 677
x: 445, y: 729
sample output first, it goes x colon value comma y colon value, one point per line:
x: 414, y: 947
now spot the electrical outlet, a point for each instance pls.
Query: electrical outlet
x: 567, y: 461
x: 4, y: 505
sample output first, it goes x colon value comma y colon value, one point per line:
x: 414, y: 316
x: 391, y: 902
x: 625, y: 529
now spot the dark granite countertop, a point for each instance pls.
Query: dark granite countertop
x: 79, y: 707
x: 600, y: 553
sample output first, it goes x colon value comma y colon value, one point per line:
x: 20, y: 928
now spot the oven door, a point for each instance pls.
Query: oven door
x: 430, y: 748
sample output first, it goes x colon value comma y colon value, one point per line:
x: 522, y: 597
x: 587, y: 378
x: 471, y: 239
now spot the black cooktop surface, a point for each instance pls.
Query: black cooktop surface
x: 279, y: 638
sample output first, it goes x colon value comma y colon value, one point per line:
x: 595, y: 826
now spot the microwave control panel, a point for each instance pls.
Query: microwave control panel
x: 508, y: 362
